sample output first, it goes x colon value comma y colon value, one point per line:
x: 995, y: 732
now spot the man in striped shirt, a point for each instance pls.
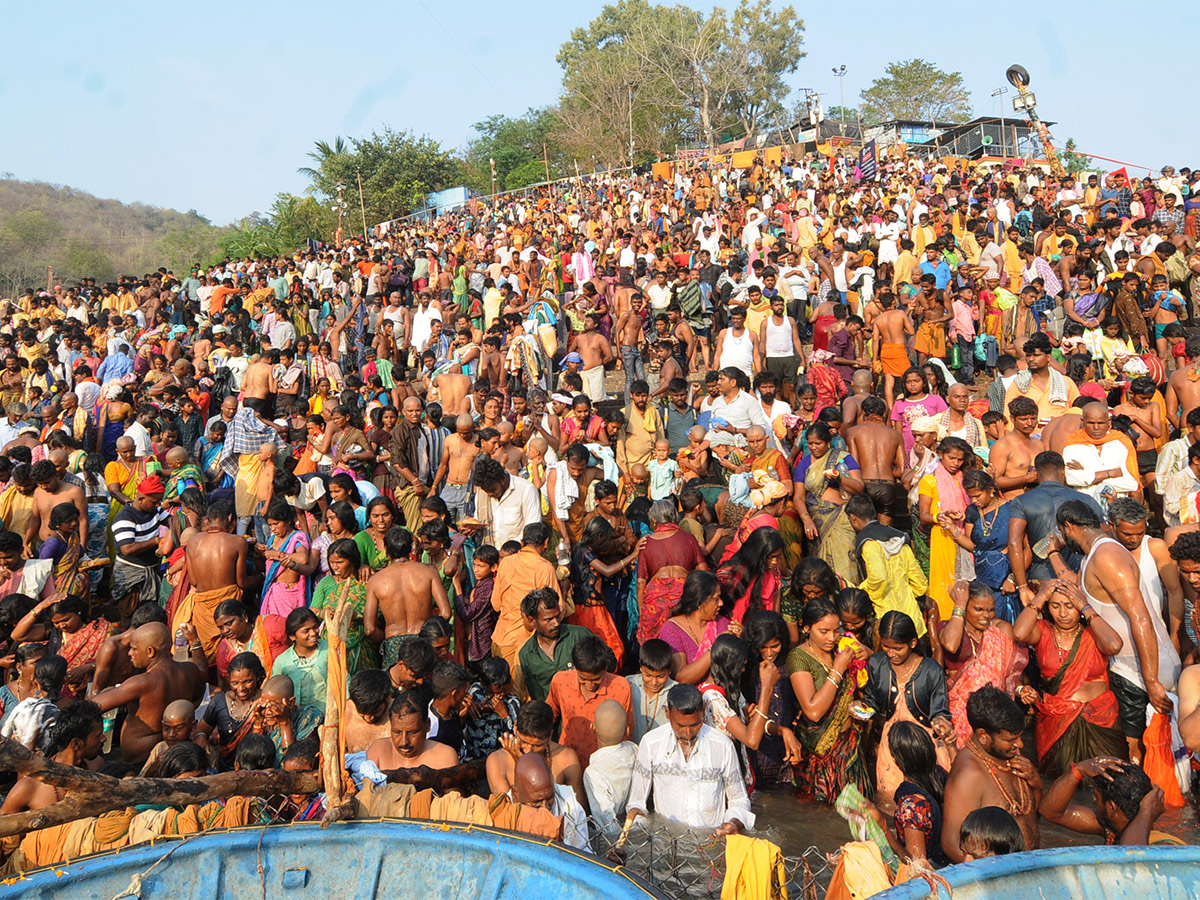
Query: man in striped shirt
x: 135, y: 532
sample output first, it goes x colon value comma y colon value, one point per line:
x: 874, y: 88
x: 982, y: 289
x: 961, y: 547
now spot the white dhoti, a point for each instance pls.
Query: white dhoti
x: 593, y: 383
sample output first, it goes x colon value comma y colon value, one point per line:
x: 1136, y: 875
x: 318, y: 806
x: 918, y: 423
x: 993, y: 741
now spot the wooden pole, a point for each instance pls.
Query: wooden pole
x: 91, y: 793
x: 332, y: 746
x: 361, y: 203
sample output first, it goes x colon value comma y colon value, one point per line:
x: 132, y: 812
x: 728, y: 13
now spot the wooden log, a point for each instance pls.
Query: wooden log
x: 92, y: 793
x: 441, y: 780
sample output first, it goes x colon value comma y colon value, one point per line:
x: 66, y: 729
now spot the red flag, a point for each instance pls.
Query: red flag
x: 1122, y: 172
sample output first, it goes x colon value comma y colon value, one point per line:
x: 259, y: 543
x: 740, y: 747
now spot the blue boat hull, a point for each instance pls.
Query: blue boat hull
x: 388, y: 860
x: 1071, y: 873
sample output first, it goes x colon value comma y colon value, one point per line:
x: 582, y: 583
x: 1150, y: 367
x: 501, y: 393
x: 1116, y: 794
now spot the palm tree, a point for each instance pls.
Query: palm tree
x: 323, y: 156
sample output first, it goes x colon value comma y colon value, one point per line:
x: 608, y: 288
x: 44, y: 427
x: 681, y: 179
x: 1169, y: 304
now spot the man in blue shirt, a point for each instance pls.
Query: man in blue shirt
x: 936, y: 266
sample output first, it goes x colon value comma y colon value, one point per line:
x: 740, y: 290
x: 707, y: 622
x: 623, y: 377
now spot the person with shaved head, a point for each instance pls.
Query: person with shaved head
x: 147, y: 695
x: 534, y: 785
x: 1101, y: 462
x: 458, y: 456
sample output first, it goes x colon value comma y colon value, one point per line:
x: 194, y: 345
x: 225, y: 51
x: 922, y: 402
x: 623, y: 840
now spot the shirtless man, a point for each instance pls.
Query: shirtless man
x: 458, y: 458
x: 1011, y: 459
x: 889, y: 338
x: 112, y: 659
x: 879, y: 450
x: 406, y: 746
x: 51, y: 491
x: 366, y: 716
x: 256, y: 387
x: 1056, y: 432
x: 405, y: 592
x: 1139, y: 405
x: 511, y: 456
x: 1148, y: 665
x: 631, y: 337
x: 597, y: 353
x: 1183, y: 387
x: 491, y: 362
x: 532, y: 733
x: 452, y: 390
x: 670, y: 368
x: 147, y: 695
x: 216, y: 567
x: 990, y: 771
x: 76, y: 736
x: 862, y: 383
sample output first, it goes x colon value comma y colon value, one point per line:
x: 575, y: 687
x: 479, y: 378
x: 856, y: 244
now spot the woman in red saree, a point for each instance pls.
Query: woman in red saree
x: 80, y: 641
x: 664, y: 559
x: 1077, y: 711
x: 266, y: 638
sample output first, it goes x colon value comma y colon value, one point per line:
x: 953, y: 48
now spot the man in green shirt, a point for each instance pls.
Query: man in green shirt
x: 548, y: 650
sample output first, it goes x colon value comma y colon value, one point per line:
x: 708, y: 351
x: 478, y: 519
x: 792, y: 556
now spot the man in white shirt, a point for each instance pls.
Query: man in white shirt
x: 421, y: 327
x: 504, y: 503
x: 139, y: 431
x: 738, y: 408
x: 692, y: 770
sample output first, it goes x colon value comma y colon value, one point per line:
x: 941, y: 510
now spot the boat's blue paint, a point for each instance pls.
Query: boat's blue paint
x: 377, y: 860
x: 1070, y: 873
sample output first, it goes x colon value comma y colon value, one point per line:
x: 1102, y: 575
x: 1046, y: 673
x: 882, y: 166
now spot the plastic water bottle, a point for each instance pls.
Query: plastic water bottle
x: 180, y: 644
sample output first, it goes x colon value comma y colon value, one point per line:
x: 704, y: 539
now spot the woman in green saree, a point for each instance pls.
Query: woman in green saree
x: 823, y: 481
x: 830, y: 735
x: 381, y: 515
x: 343, y: 584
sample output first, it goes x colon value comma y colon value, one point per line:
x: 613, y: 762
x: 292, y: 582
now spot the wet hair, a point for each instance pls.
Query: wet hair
x: 760, y: 627
x: 916, y: 756
x: 298, y: 618
x: 685, y: 699
x: 978, y: 480
x: 1022, y: 406
x: 370, y: 690
x: 448, y: 677
x: 538, y: 599
x: 535, y: 719
x: 50, y: 672
x: 590, y: 655
x: 248, y: 662
x: 306, y: 751
x: 1126, y: 789
x: 255, y: 751
x: 418, y: 657
x: 344, y: 513
x: 994, y: 711
x: 187, y: 757
x: 728, y: 654
x: 76, y: 722
x: 398, y: 543
x: 697, y: 588
x: 816, y: 610
x: 1077, y: 513
x: 993, y: 829
x: 1126, y: 509
x: 494, y: 672
x: 656, y: 655
x: 1186, y: 547
x: 862, y: 506
x: 409, y: 703
x: 345, y: 548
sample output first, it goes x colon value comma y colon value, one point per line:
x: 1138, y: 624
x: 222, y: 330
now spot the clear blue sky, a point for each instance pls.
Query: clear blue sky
x: 213, y: 106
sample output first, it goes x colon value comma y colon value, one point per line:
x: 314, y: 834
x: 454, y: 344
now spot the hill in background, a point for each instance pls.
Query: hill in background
x: 81, y: 236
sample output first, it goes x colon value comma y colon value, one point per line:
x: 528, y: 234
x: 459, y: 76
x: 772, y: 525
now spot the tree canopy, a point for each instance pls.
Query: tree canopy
x: 918, y: 90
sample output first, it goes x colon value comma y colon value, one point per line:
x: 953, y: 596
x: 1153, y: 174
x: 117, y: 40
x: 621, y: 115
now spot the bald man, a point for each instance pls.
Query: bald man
x: 148, y: 694
x: 404, y: 459
x: 458, y: 458
x: 533, y: 785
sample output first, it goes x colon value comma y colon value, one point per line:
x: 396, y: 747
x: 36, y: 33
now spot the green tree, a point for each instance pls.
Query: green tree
x: 514, y: 144
x: 918, y: 90
x: 398, y: 170
x: 1074, y: 161
x: 85, y: 260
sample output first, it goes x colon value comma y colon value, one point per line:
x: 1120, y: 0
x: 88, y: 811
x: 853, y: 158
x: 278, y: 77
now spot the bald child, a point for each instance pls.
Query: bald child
x: 609, y: 773
x: 178, y: 725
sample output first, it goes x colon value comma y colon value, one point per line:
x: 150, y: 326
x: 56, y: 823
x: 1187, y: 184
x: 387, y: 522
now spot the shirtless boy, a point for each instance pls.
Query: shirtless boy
x: 216, y: 567
x: 256, y: 387
x: 532, y: 733
x: 366, y: 717
x: 1011, y: 459
x: 889, y: 336
x: 76, y: 736
x: 880, y: 452
x: 597, y: 353
x: 406, y: 593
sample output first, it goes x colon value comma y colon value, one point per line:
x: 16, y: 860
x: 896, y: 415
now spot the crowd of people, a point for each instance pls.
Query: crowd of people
x: 652, y: 493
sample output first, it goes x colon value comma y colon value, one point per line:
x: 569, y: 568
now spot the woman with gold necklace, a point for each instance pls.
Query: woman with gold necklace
x: 1077, y: 711
x: 830, y: 736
